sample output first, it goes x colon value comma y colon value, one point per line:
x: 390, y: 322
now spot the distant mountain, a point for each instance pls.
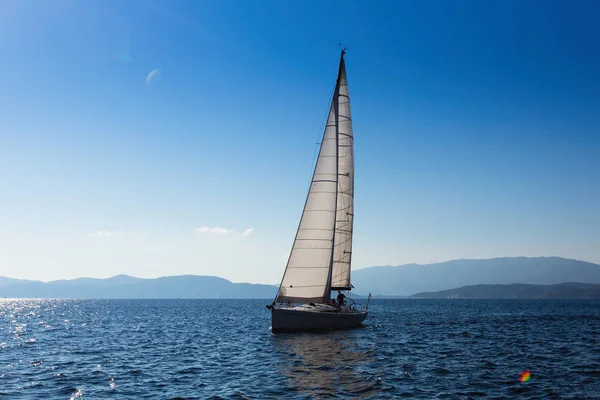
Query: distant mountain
x: 97, y: 282
x: 10, y: 281
x: 393, y: 282
x: 567, y: 290
x: 413, y: 278
x: 127, y: 287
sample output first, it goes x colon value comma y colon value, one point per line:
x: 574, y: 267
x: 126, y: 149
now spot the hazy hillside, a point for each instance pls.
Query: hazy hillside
x: 567, y: 290
x: 398, y: 281
x: 95, y: 282
x: 413, y: 278
x: 9, y: 281
x: 123, y: 286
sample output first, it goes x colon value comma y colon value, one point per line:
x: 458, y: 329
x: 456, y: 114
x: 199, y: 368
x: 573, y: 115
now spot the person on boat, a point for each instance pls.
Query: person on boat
x: 340, y: 298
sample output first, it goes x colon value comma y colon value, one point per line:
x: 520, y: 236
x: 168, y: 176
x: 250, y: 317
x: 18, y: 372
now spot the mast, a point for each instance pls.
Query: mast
x: 336, y: 106
x: 308, y: 274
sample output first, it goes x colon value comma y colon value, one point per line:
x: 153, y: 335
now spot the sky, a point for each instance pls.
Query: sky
x: 156, y: 138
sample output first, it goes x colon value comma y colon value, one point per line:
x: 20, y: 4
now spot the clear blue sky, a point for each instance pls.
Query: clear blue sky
x: 477, y: 130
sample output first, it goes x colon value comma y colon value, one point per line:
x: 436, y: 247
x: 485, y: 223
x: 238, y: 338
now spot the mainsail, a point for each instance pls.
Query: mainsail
x: 321, y: 254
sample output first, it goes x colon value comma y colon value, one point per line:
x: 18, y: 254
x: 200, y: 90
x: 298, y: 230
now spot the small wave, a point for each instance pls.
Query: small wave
x: 190, y: 370
x: 77, y: 394
x: 440, y: 371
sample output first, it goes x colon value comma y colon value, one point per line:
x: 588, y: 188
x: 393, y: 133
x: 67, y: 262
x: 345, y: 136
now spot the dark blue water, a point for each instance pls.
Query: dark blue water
x: 197, y: 349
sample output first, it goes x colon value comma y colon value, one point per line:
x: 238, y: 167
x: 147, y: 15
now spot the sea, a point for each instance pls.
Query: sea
x: 223, y: 349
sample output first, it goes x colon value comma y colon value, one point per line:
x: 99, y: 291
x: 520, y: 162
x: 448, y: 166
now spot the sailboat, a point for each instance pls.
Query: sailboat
x: 320, y: 260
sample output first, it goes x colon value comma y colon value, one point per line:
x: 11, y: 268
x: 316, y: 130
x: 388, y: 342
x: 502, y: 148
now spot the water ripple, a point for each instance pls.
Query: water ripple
x: 199, y: 349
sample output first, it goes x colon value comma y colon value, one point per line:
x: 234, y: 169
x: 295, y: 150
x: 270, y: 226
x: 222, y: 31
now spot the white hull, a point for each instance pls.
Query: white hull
x: 314, y: 318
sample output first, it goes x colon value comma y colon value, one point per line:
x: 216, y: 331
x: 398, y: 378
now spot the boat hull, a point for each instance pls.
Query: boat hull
x: 315, y: 318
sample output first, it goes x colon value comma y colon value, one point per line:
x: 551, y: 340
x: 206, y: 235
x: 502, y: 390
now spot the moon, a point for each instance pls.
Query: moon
x: 153, y: 74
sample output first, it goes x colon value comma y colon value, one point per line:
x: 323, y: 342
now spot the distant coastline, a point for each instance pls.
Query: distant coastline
x: 567, y: 290
x: 509, y: 277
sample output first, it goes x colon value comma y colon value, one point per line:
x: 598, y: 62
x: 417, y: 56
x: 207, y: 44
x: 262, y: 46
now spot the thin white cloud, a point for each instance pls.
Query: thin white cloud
x: 217, y: 230
x: 103, y: 233
x: 153, y: 74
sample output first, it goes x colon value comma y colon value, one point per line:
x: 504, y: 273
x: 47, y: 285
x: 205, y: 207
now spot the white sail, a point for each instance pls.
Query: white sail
x: 308, y: 273
x: 321, y: 257
x: 342, y: 254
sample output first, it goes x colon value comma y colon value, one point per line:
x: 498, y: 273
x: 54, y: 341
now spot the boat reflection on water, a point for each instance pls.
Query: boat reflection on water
x: 325, y: 364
